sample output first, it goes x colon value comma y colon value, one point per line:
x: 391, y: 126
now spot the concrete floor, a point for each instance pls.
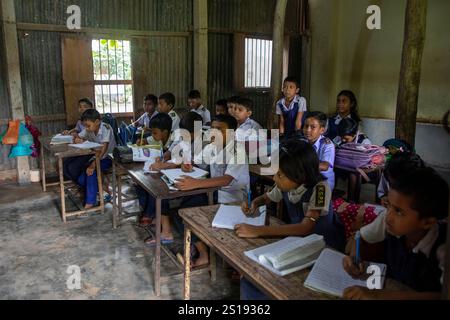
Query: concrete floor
x: 36, y: 249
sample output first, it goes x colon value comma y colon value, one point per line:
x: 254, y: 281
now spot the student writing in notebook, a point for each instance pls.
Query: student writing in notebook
x: 412, y: 235
x: 307, y: 197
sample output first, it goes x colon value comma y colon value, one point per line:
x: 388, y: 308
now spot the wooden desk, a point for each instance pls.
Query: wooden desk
x: 153, y: 184
x: 231, y: 248
x: 64, y: 151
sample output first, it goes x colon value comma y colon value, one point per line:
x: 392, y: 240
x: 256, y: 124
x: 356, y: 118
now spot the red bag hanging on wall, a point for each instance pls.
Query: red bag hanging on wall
x: 12, y: 136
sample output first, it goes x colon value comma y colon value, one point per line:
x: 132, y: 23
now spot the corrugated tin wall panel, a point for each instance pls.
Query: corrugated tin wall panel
x: 4, y: 100
x: 41, y: 69
x: 170, y: 67
x: 157, y: 15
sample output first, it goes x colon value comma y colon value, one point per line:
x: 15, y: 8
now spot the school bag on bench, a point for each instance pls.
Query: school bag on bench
x: 357, y: 156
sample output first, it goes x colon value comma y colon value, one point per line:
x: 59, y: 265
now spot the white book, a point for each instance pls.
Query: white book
x: 227, y: 217
x: 328, y: 274
x: 289, y: 255
x: 174, y: 174
x: 86, y: 145
x: 61, y: 139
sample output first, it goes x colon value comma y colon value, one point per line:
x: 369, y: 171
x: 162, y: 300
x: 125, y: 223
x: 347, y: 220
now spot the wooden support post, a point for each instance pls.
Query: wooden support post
x: 201, y: 47
x: 446, y: 291
x: 278, y: 48
x: 408, y: 92
x: 8, y: 17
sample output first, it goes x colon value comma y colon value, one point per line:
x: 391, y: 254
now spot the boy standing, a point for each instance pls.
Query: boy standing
x: 291, y: 108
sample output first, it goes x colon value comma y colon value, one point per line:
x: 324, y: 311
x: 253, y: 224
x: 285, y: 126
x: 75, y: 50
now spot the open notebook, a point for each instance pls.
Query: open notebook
x: 328, y: 275
x: 171, y: 175
x: 227, y: 217
x: 289, y: 255
x: 86, y: 145
x: 61, y: 139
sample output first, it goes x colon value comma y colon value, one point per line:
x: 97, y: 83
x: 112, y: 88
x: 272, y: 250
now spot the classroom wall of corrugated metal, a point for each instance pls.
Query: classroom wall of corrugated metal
x: 169, y: 59
x: 226, y: 17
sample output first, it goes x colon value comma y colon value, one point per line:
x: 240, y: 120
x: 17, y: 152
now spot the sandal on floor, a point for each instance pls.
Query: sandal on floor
x: 151, y: 242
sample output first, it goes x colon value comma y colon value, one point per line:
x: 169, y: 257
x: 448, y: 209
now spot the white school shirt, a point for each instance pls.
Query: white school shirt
x: 326, y: 152
x: 221, y: 165
x: 376, y: 232
x: 245, y: 130
x: 302, y: 105
x: 338, y: 140
x: 145, y: 119
x: 204, y: 112
x: 105, y: 135
x: 175, y: 120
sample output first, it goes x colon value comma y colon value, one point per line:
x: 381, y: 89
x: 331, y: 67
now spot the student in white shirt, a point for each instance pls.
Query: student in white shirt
x: 166, y: 103
x: 195, y: 105
x: 150, y: 105
x: 247, y: 127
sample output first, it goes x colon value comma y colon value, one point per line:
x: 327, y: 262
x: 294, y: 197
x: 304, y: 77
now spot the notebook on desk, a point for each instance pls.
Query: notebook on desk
x: 289, y: 255
x: 328, y: 275
x: 61, y: 139
x: 171, y: 175
x: 227, y: 217
x: 86, y: 145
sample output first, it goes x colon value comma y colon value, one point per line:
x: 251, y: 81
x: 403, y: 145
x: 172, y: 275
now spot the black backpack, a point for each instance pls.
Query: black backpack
x: 109, y: 119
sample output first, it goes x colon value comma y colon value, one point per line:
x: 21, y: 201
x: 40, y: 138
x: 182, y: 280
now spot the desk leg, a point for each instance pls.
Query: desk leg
x: 187, y: 264
x: 212, y: 254
x: 44, y: 182
x: 158, y: 249
x: 114, y: 185
x: 119, y: 193
x: 100, y: 184
x: 61, y: 186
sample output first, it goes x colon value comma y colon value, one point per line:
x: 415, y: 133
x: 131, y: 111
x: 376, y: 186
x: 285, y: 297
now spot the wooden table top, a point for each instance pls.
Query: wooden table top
x: 154, y: 185
x: 63, y: 150
x: 228, y: 245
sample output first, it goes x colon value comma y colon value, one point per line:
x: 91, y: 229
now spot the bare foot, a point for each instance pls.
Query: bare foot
x: 88, y: 206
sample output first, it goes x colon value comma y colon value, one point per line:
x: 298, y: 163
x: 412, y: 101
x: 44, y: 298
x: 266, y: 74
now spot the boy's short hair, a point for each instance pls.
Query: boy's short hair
x: 401, y: 164
x: 347, y: 127
x: 428, y: 191
x: 194, y: 94
x: 319, y: 116
x: 152, y: 98
x: 188, y: 121
x: 169, y: 98
x: 222, y: 102
x: 233, y: 99
x: 229, y: 120
x: 245, y: 102
x: 91, y: 115
x: 293, y: 80
x: 161, y: 121
x: 86, y: 101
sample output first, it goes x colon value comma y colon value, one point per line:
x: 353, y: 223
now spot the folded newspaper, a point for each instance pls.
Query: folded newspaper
x: 289, y: 255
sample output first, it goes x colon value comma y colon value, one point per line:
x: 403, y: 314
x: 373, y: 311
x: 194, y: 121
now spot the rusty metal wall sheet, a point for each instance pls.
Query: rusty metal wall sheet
x: 155, y: 15
x: 5, y: 112
x: 170, y: 67
x: 41, y: 70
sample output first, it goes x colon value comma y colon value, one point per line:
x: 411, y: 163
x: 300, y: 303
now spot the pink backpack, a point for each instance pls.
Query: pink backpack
x: 357, y: 156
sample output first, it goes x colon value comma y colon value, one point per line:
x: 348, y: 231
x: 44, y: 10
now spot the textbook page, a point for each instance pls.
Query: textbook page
x: 61, y: 139
x: 227, y: 217
x: 301, y: 253
x: 174, y: 174
x: 328, y: 274
x: 86, y: 145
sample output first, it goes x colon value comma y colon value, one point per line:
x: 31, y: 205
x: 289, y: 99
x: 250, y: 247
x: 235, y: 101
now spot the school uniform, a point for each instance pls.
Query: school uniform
x: 326, y: 151
x: 105, y: 135
x: 79, y: 126
x: 420, y: 268
x: 175, y: 120
x: 298, y: 105
x: 333, y: 124
x: 204, y: 112
x: 298, y: 203
x: 144, y: 120
x: 249, y: 129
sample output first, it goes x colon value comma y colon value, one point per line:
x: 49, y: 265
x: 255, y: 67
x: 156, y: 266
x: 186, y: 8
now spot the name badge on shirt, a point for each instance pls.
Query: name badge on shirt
x: 320, y: 196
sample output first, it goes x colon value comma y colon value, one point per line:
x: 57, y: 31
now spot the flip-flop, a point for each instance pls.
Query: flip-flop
x: 150, y: 242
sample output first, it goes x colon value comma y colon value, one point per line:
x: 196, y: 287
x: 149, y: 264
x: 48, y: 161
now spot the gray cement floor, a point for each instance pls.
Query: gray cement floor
x: 36, y: 250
